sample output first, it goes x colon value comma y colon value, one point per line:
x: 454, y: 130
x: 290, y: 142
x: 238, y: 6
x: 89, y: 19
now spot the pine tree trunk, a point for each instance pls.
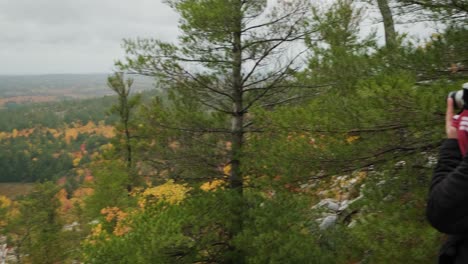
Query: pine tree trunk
x: 389, y: 25
x: 129, y: 147
x: 237, y: 120
x: 237, y: 137
x: 125, y: 116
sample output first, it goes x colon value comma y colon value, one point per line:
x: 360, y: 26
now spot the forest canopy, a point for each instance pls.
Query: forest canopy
x: 281, y: 134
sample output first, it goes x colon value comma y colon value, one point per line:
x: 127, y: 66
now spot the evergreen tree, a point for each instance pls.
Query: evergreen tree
x: 38, y: 237
x: 442, y: 10
x: 124, y: 108
x: 228, y: 59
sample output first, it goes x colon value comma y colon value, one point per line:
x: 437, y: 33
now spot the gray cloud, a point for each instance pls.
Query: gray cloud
x: 82, y: 36
x: 59, y: 36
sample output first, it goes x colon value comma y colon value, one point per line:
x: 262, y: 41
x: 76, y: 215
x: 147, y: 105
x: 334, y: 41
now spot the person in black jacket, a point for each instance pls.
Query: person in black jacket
x: 447, y: 207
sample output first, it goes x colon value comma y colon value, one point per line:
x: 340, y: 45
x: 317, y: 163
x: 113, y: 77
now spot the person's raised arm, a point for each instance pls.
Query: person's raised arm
x: 447, y: 208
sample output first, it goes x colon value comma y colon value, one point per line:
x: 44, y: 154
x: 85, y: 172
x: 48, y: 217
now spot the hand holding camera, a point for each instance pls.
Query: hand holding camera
x: 450, y: 127
x: 456, y: 126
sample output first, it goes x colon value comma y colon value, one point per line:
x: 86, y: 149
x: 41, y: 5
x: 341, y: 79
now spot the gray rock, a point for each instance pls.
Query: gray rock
x: 344, y: 205
x: 388, y: 198
x: 352, y: 224
x: 94, y: 222
x: 329, y: 204
x: 3, y: 253
x: 431, y: 161
x: 400, y: 164
x: 380, y: 183
x: 328, y: 222
x: 72, y: 227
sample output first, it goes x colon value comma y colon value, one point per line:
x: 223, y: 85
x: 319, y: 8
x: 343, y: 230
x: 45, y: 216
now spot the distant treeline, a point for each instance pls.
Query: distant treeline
x: 54, y: 115
x: 63, y: 85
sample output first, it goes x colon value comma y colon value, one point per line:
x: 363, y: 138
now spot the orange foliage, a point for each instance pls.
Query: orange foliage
x: 174, y: 145
x: 82, y: 192
x: 117, y: 215
x: 55, y: 133
x: 228, y: 145
x: 65, y: 202
x: 113, y: 213
x: 89, y: 177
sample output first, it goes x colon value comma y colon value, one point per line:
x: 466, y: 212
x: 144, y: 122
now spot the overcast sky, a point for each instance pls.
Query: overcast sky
x: 76, y: 36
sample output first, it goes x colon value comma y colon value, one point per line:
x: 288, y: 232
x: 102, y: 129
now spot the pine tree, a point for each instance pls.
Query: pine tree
x: 124, y: 108
x: 229, y: 59
x: 225, y: 58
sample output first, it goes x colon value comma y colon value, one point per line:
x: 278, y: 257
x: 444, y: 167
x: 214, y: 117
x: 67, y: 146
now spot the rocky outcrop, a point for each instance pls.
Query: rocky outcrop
x: 336, y: 197
x: 7, y: 254
x: 334, y: 210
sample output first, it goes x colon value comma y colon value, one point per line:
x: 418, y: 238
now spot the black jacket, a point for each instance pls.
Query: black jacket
x: 447, y: 207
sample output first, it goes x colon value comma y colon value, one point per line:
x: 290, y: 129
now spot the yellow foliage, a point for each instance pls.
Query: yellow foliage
x: 212, y: 185
x: 89, y: 126
x: 227, y: 169
x: 106, y: 131
x: 361, y: 175
x: 14, y: 133
x: 55, y: 133
x: 96, y: 232
x: 169, y: 192
x: 107, y: 146
x: 76, y: 162
x: 70, y: 133
x: 4, y: 202
x: 351, y: 139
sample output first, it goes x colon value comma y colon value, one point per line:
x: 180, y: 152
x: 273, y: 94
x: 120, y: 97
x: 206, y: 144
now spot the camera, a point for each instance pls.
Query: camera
x: 460, y: 97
